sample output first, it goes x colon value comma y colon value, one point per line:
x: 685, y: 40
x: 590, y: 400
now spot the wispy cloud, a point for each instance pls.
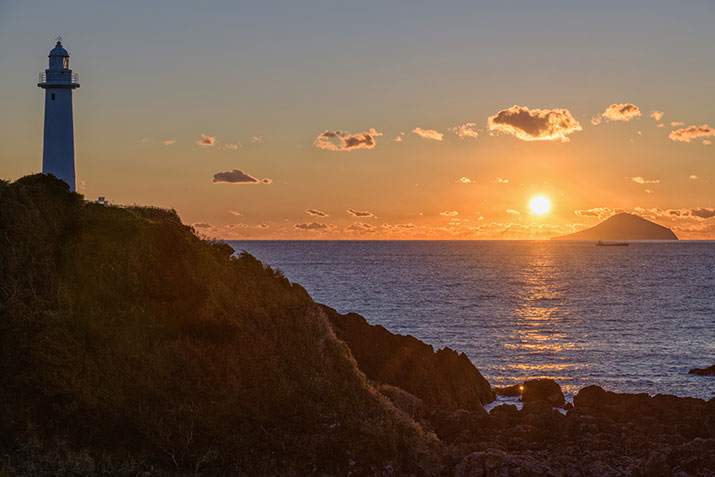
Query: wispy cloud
x: 206, y: 141
x: 237, y: 176
x: 692, y: 132
x: 621, y: 112
x: 428, y: 134
x: 675, y: 124
x: 344, y: 141
x: 513, y: 212
x: 466, y: 130
x: 640, y: 180
x: 234, y: 212
x: 693, y: 177
x: 316, y: 213
x: 465, y: 180
x: 256, y: 139
x: 598, y: 212
x: 360, y: 213
x: 201, y: 225
x: 449, y: 213
x: 534, y: 124
x: 362, y: 227
x: 313, y: 226
x: 499, y: 180
x: 657, y: 115
x: 229, y: 147
x: 169, y: 142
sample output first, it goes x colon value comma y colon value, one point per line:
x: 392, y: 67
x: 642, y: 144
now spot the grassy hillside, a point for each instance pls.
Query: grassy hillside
x: 129, y: 344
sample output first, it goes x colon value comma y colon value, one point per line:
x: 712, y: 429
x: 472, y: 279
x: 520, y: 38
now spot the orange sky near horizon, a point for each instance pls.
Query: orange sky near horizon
x: 424, y: 122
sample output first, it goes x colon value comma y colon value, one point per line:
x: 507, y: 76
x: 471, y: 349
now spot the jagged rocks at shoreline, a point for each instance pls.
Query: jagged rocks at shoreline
x: 441, y: 378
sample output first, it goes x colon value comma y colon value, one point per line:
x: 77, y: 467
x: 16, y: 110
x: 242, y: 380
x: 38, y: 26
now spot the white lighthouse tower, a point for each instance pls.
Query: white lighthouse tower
x: 58, y: 81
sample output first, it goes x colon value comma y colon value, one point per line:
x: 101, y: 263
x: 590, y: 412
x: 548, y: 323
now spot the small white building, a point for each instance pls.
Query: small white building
x: 58, y: 81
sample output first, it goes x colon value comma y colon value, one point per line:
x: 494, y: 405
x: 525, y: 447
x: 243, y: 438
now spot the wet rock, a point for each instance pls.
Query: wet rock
x: 543, y: 389
x: 505, y: 410
x: 537, y: 407
x: 703, y: 371
x: 509, y: 391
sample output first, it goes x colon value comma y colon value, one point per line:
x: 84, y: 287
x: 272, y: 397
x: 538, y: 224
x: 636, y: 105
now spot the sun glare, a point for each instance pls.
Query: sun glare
x: 540, y: 205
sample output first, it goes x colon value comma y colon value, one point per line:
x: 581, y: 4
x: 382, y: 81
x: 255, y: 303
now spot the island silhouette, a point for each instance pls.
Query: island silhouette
x: 622, y: 226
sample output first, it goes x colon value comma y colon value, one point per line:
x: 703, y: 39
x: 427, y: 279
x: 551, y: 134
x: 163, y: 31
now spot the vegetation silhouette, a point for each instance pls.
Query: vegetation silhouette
x: 128, y: 344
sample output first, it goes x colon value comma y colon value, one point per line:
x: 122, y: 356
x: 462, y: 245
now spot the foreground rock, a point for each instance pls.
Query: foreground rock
x: 440, y: 378
x: 543, y: 390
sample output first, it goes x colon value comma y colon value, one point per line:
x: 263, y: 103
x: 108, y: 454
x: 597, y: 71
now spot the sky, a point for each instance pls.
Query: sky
x: 377, y: 120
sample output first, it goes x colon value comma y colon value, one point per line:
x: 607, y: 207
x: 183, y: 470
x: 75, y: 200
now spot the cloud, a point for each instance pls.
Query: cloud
x: 499, y: 180
x: 676, y: 124
x: 428, y: 134
x: 693, y: 177
x: 707, y: 142
x: 640, y: 180
x: 201, y: 225
x: 465, y: 180
x: 316, y: 213
x: 343, y: 141
x: 692, y: 132
x: 621, y: 112
x: 169, y: 142
x: 398, y: 139
x: 206, y: 141
x: 233, y: 212
x: 513, y: 212
x: 465, y: 130
x: 596, y: 120
x: 598, y: 212
x: 449, y: 213
x: 534, y: 124
x: 247, y: 226
x: 231, y: 147
x: 661, y: 125
x: 697, y: 213
x: 703, y: 213
x: 256, y: 139
x: 362, y: 228
x: 657, y: 115
x: 237, y: 176
x: 312, y: 226
x: 360, y: 213
x: 146, y: 140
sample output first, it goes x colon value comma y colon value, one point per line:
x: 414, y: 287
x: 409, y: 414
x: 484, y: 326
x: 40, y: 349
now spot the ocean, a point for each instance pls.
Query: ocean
x: 630, y: 319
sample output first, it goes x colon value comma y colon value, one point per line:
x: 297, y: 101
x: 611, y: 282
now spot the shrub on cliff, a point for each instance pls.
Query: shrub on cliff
x: 127, y: 343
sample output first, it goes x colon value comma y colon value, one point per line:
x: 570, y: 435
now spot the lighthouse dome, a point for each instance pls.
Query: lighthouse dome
x: 58, y: 50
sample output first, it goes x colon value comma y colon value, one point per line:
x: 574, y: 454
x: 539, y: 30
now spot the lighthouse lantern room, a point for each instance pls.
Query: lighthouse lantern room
x: 58, y: 81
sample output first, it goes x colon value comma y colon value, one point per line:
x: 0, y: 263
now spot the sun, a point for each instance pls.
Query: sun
x: 540, y: 205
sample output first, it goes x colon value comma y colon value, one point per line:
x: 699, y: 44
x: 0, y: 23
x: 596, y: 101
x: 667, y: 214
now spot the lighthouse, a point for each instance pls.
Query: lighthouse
x: 58, y: 81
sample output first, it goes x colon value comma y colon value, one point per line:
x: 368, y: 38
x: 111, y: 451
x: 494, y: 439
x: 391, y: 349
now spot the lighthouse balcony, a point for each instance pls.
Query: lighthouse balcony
x: 59, y: 78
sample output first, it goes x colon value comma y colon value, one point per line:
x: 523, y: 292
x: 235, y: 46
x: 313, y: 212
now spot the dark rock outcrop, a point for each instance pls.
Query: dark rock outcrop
x: 508, y: 391
x: 543, y: 390
x: 440, y: 378
x: 623, y: 227
x: 710, y: 371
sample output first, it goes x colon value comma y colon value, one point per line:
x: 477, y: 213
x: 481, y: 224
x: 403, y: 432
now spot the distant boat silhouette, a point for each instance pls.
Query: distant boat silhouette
x: 617, y: 244
x: 622, y: 227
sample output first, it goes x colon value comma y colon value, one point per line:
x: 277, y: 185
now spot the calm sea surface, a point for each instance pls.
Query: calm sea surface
x: 630, y: 319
